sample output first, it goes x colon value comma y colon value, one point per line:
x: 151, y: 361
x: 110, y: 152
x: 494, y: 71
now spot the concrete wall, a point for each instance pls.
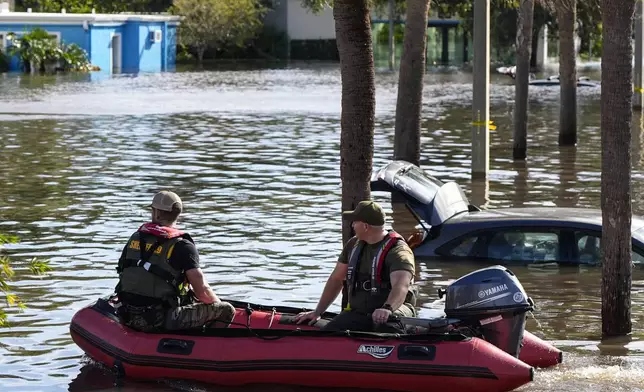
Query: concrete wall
x: 305, y: 25
x: 101, y: 42
x: 170, y: 47
x: 277, y: 17
x: 150, y: 53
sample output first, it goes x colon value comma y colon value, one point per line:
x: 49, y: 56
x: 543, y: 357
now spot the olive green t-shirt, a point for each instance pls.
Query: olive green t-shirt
x: 399, y: 257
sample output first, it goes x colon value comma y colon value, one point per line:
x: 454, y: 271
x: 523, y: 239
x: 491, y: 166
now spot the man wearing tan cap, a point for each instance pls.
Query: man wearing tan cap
x: 153, y: 283
x: 378, y: 267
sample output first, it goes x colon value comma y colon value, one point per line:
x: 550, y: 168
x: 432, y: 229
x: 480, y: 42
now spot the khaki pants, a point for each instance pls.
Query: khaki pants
x: 358, y: 321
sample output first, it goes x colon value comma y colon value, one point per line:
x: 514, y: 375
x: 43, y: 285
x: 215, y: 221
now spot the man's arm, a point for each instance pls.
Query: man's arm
x: 186, y: 257
x: 200, y: 287
x: 119, y: 265
x: 400, y: 282
x: 332, y: 288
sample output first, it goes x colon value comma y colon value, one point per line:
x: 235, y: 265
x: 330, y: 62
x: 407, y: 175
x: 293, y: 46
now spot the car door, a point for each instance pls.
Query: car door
x: 514, y: 244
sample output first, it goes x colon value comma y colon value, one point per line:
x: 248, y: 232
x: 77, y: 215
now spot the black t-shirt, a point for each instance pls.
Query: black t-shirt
x: 184, y: 258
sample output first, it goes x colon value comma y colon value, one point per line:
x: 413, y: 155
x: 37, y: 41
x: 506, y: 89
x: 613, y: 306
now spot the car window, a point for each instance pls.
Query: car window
x: 588, y: 248
x: 524, y: 246
x: 638, y: 257
x: 465, y: 248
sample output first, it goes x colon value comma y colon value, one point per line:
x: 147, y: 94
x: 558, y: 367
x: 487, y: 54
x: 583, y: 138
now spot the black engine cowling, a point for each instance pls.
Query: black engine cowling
x: 494, y: 299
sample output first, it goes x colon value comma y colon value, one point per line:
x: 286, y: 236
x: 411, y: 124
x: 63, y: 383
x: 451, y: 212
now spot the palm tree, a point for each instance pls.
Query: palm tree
x: 354, y: 41
x: 523, y: 48
x: 410, y: 83
x: 616, y: 121
x: 567, y: 20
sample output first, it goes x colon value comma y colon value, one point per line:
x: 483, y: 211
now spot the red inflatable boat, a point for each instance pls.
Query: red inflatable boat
x: 480, y: 345
x: 306, y: 356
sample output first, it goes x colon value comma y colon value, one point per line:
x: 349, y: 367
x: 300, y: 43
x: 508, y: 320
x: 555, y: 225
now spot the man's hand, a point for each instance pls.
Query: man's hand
x: 380, y: 316
x: 304, y: 316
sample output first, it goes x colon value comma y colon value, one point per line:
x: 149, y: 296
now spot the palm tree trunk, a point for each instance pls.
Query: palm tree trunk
x: 566, y: 19
x: 200, y: 52
x: 523, y: 47
x: 410, y: 83
x: 392, y: 6
x: 616, y: 119
x: 354, y: 41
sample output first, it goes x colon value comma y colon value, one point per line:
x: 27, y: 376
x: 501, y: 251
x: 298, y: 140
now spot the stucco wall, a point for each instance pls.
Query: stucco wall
x: 305, y: 25
x: 150, y: 53
x: 101, y: 52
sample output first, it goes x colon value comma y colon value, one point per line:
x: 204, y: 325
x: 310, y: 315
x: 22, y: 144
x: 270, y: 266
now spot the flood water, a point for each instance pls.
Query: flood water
x: 254, y: 153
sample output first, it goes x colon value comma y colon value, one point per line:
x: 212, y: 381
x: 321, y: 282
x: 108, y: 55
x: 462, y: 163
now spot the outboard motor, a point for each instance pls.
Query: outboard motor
x: 493, y: 298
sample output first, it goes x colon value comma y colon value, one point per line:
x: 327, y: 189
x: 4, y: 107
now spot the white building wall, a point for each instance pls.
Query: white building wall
x: 305, y: 25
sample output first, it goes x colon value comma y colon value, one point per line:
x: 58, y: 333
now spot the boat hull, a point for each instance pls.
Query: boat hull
x: 241, y: 356
x: 534, y: 351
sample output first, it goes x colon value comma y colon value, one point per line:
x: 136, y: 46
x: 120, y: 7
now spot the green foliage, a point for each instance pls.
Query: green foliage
x: 38, y: 49
x: 7, y: 274
x: 316, y: 6
x: 4, y: 62
x: 101, y: 6
x: 211, y: 24
x: 7, y: 239
x: 590, y: 28
x: 383, y: 34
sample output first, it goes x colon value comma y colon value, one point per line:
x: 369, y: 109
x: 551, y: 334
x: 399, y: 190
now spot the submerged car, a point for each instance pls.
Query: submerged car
x: 454, y: 229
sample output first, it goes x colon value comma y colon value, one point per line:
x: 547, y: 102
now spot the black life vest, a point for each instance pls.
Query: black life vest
x: 378, y: 284
x: 146, y: 270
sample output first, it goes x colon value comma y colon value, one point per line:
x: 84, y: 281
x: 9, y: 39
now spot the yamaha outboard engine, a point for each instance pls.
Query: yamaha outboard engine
x: 494, y: 299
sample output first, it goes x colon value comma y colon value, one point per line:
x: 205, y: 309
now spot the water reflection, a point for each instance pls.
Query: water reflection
x: 254, y: 154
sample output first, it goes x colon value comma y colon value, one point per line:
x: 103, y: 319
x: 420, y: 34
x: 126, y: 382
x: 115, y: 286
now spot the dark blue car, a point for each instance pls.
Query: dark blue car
x: 453, y: 229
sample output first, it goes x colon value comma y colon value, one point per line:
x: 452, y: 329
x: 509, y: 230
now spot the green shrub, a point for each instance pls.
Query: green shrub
x: 4, y: 62
x: 40, y: 50
x: 7, y: 274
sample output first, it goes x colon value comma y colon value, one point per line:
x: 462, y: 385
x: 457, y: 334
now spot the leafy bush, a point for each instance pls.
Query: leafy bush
x: 213, y: 24
x: 4, y: 62
x: 36, y: 266
x: 39, y: 52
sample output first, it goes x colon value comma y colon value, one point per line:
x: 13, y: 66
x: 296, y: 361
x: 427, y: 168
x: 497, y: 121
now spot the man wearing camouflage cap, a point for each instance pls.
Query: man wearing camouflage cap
x: 378, y: 267
x: 153, y: 283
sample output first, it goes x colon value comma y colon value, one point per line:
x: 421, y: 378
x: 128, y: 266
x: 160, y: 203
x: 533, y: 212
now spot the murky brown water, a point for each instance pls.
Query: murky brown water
x: 254, y: 154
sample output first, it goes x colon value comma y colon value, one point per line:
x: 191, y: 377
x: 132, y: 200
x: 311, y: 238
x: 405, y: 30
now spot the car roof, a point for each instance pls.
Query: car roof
x: 587, y: 216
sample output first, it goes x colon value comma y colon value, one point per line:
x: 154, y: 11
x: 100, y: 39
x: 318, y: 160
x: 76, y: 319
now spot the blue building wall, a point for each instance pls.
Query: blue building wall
x: 150, y: 53
x: 101, y: 45
x: 139, y: 53
x: 130, y: 48
x: 171, y: 47
x: 67, y: 33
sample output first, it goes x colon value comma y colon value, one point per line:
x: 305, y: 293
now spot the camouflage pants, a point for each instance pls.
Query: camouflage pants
x: 359, y: 321
x: 196, y: 315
